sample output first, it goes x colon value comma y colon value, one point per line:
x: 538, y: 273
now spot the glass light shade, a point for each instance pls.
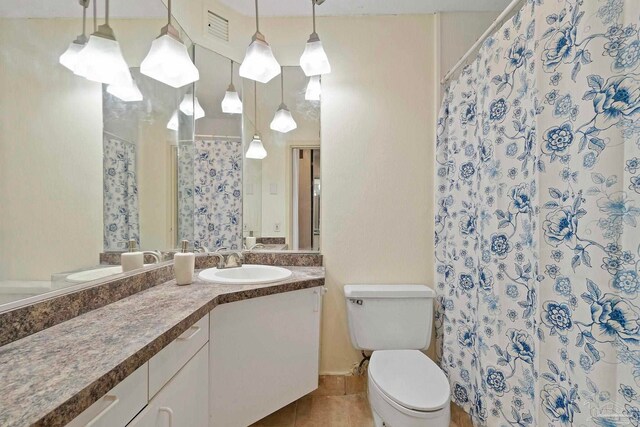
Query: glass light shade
x: 283, y: 121
x: 314, y: 89
x: 69, y: 58
x: 173, y: 121
x: 256, y: 149
x: 188, y: 106
x: 101, y: 61
x: 231, y: 104
x: 169, y: 63
x: 259, y: 64
x: 314, y: 60
x: 127, y: 93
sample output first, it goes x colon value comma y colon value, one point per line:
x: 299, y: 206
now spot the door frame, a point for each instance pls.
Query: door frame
x: 291, y: 145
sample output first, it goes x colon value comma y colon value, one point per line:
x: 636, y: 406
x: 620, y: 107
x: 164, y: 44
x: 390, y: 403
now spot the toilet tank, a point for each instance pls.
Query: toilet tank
x: 389, y: 317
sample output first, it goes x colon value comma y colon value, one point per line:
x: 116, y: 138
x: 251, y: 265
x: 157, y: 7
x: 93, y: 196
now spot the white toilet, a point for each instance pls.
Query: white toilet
x: 406, y: 388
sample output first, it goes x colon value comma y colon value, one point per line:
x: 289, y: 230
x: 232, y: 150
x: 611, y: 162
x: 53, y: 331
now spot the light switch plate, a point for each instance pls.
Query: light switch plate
x: 273, y: 188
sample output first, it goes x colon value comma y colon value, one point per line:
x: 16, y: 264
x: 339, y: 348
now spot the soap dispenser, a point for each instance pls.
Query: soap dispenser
x: 184, y: 264
x: 133, y: 259
x: 250, y: 241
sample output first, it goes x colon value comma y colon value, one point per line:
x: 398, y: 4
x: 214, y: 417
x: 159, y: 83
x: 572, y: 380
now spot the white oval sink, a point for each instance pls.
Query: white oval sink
x: 246, y: 275
x: 96, y: 273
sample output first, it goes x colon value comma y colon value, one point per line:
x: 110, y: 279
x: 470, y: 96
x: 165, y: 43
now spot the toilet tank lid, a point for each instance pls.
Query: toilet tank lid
x: 388, y: 291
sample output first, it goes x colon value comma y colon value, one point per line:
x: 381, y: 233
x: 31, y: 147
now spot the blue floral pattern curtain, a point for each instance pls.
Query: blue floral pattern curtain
x: 218, y: 194
x: 538, y: 202
x: 186, y: 164
x: 120, y: 195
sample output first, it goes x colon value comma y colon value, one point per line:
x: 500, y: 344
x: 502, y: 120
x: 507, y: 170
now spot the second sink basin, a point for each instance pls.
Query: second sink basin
x: 246, y: 275
x: 96, y: 273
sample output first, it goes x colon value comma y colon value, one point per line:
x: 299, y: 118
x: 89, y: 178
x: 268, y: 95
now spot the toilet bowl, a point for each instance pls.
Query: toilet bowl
x: 407, y: 389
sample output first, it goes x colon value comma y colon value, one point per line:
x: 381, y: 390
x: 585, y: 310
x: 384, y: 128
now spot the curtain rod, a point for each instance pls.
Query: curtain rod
x: 217, y: 137
x: 490, y: 31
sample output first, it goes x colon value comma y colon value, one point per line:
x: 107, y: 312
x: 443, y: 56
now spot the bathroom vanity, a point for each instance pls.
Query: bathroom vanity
x: 199, y: 355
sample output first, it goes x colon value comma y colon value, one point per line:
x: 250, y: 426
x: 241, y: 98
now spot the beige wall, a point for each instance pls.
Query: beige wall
x: 455, y: 43
x: 377, y: 146
x: 376, y: 124
x: 51, y: 147
x: 377, y: 127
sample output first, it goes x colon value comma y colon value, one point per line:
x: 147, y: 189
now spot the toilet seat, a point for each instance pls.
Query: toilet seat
x: 409, y: 379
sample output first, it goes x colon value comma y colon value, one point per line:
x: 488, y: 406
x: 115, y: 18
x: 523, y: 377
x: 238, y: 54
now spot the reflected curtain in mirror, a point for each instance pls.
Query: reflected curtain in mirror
x: 210, y: 180
x: 121, y: 219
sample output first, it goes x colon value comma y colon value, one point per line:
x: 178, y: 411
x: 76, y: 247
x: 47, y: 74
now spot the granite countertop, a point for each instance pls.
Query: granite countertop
x: 50, y: 377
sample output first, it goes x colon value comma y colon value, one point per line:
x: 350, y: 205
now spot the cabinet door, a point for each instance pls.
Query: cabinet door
x: 264, y: 355
x: 119, y: 405
x: 183, y: 401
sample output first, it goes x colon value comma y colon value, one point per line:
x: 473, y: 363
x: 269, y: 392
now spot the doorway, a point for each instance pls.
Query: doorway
x: 306, y: 198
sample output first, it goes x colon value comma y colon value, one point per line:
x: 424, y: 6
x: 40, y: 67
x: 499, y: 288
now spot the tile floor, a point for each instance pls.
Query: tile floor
x: 324, y: 411
x: 339, y: 401
x: 350, y: 410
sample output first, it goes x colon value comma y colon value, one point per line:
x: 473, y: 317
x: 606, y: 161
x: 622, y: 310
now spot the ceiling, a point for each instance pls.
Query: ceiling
x: 363, y: 7
x: 156, y: 9
x: 71, y: 8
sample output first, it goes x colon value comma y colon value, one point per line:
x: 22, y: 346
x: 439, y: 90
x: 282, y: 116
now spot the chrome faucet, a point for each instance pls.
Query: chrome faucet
x: 157, y: 256
x: 256, y: 246
x: 225, y: 260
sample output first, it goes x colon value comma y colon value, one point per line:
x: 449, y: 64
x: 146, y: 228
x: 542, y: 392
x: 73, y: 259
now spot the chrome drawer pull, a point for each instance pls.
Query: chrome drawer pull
x: 195, y: 330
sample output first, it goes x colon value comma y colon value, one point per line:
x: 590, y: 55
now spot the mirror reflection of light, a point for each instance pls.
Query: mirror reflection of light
x: 173, y: 121
x: 314, y: 89
x: 231, y: 104
x: 126, y: 93
x: 256, y: 149
x: 283, y: 120
x: 191, y: 106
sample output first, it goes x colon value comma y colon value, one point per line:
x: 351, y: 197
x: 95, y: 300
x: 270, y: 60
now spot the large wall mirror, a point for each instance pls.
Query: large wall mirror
x: 282, y: 192
x: 84, y: 171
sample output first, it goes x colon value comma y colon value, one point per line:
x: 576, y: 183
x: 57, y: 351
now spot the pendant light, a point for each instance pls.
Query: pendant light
x: 191, y: 106
x: 259, y: 64
x: 69, y: 58
x: 168, y: 60
x: 256, y: 149
x: 126, y: 93
x: 314, y: 89
x: 314, y: 60
x: 173, y: 122
x: 231, y: 104
x: 283, y: 121
x: 101, y: 59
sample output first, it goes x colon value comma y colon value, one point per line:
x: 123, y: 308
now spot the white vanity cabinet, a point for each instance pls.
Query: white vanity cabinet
x: 171, y: 389
x: 119, y: 405
x: 184, y: 400
x: 243, y: 361
x: 264, y: 354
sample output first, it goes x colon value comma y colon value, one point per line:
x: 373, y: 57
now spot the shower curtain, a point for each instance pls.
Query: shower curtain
x: 538, y: 203
x: 120, y: 193
x: 210, y: 194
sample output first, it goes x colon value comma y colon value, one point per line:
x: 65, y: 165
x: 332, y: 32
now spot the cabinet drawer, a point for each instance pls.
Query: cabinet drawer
x: 119, y: 405
x: 164, y: 365
x: 184, y: 400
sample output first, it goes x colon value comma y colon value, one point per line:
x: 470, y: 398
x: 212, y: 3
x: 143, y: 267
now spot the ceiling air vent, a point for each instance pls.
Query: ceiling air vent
x: 217, y: 26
